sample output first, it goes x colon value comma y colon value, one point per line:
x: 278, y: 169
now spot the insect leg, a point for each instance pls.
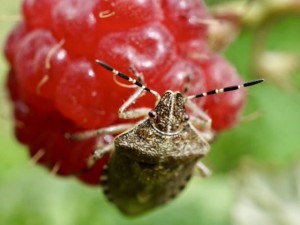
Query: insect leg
x: 139, y: 76
x: 134, y: 113
x: 204, y: 170
x: 139, y: 112
x: 186, y: 85
x: 98, y: 154
x: 115, y: 129
x: 201, y: 121
x: 199, y: 118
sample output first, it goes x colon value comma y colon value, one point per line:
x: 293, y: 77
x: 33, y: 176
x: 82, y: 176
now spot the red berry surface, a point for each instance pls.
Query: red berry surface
x: 57, y: 88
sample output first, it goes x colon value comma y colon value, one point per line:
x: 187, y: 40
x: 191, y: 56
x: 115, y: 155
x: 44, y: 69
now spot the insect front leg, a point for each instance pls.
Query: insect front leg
x: 139, y: 76
x: 100, y: 151
x: 115, y: 129
x: 200, y: 118
x: 201, y: 121
x: 134, y: 113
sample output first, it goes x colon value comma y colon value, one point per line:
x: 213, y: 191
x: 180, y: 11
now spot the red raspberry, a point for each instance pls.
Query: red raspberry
x: 44, y: 133
x: 185, y: 18
x: 37, y: 14
x: 120, y: 15
x: 80, y: 96
x: 150, y: 47
x: 222, y: 108
x: 12, y: 42
x: 74, y: 22
x: 56, y: 86
x: 30, y: 62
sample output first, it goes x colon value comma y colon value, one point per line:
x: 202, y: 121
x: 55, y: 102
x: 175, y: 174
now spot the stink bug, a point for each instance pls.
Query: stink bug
x: 151, y: 161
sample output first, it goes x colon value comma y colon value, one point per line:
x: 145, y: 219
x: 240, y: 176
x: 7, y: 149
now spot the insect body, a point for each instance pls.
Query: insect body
x: 151, y: 162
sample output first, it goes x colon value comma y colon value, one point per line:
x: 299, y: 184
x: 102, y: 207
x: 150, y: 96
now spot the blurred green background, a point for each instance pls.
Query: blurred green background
x: 256, y: 168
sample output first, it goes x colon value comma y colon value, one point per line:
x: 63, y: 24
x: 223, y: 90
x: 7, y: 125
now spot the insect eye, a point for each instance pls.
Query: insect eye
x: 186, y: 117
x: 152, y: 114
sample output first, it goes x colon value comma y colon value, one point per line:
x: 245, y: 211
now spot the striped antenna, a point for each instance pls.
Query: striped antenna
x: 126, y: 77
x: 226, y: 89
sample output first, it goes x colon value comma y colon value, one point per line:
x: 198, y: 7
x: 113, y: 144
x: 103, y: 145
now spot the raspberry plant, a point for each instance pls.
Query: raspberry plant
x: 56, y: 87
